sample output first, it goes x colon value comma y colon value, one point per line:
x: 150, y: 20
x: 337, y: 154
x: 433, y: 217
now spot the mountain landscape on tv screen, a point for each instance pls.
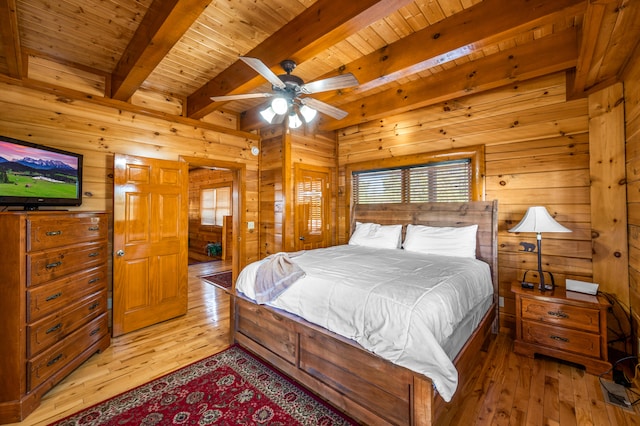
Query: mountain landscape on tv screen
x: 32, y: 177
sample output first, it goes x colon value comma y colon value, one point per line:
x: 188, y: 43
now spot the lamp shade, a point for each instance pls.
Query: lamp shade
x: 280, y: 105
x: 268, y: 114
x: 294, y: 121
x: 537, y: 219
x: 308, y: 113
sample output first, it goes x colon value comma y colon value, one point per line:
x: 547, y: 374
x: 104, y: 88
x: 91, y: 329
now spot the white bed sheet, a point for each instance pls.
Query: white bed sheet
x: 402, y: 306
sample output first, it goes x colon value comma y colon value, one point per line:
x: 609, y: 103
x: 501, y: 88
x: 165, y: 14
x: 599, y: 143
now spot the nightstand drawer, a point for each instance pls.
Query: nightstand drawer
x: 560, y: 338
x: 561, y: 314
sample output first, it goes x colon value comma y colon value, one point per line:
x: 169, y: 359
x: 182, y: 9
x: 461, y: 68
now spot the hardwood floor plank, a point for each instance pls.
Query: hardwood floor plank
x: 551, y: 413
x: 535, y: 412
x: 522, y: 391
x: 566, y: 398
x: 582, y: 404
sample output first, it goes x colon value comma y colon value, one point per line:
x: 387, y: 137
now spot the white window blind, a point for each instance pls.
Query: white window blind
x: 215, y: 203
x: 448, y: 181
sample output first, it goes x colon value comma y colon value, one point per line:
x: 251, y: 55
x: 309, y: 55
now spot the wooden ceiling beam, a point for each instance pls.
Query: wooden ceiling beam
x: 603, y: 62
x: 320, y: 26
x: 590, y: 36
x: 544, y: 56
x: 161, y: 28
x: 462, y: 34
x: 11, y: 38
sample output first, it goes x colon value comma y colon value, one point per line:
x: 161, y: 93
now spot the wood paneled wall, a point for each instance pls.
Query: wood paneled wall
x: 272, y: 195
x: 537, y: 153
x: 99, y: 128
x: 632, y: 132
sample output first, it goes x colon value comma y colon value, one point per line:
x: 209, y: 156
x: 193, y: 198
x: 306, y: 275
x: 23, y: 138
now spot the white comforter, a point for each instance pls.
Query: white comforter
x: 399, y: 305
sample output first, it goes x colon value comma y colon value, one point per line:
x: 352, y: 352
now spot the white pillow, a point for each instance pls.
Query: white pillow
x: 444, y: 240
x: 376, y: 235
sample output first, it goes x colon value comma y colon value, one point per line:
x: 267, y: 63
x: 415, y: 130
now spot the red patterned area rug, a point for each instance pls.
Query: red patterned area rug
x: 222, y: 279
x: 229, y: 388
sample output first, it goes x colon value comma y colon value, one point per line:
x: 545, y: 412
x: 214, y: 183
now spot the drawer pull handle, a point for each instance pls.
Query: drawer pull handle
x: 94, y: 254
x: 53, y: 233
x: 56, y: 327
x: 560, y: 339
x: 558, y: 314
x: 53, y: 265
x: 95, y: 305
x: 94, y: 280
x: 53, y: 296
x: 94, y: 228
x: 94, y: 332
x: 54, y: 360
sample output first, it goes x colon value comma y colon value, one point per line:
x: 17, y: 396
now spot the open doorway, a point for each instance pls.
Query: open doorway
x: 215, y: 186
x: 210, y: 215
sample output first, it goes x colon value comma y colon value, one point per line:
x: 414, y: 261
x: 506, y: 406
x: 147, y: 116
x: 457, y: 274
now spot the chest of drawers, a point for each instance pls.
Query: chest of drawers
x: 53, y: 301
x: 564, y: 325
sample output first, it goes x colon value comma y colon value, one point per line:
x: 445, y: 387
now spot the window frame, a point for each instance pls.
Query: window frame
x: 404, y: 184
x: 214, y: 187
x: 474, y: 153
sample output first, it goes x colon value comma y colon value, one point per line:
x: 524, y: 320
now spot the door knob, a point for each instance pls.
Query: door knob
x: 301, y: 238
x: 120, y: 253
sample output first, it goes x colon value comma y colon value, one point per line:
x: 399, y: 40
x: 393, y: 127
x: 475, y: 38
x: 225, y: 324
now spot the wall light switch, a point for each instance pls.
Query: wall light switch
x: 251, y: 226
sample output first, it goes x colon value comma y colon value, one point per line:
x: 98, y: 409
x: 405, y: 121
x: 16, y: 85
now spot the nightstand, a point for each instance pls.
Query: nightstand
x: 565, y: 325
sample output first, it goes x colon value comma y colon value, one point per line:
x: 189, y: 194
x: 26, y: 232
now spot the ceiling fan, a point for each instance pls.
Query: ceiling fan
x: 287, y: 91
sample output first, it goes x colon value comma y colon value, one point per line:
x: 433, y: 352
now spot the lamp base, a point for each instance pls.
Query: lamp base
x: 542, y: 284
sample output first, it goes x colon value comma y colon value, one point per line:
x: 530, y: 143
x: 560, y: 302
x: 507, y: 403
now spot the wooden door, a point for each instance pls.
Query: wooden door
x: 311, y: 207
x: 150, y: 229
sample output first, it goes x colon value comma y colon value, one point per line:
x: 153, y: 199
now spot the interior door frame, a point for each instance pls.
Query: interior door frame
x: 238, y: 171
x: 327, y: 195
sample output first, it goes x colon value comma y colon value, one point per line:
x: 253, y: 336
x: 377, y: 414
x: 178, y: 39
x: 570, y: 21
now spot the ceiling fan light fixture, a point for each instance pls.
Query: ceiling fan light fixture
x: 268, y: 114
x: 308, y: 113
x: 294, y: 120
x: 280, y: 106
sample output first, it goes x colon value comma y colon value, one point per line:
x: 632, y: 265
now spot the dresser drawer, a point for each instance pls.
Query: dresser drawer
x: 52, y: 264
x: 561, y: 338
x: 43, y: 366
x: 49, y: 232
x: 560, y: 314
x: 49, y: 298
x: 49, y: 330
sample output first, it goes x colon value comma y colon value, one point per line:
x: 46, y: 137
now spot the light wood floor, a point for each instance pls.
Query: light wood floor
x: 510, y: 389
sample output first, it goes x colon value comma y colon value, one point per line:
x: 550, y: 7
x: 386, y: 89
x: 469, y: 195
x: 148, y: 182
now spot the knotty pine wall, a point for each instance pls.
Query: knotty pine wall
x: 632, y: 132
x: 98, y: 128
x: 537, y: 153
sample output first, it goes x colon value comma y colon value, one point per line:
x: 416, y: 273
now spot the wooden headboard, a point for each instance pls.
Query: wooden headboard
x: 482, y: 213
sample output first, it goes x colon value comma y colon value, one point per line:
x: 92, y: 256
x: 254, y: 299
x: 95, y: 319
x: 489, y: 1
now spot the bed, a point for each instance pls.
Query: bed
x: 345, y: 371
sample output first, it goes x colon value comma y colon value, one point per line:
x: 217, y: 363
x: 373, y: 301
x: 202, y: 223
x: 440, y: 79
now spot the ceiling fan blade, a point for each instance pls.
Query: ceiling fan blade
x: 324, y: 108
x: 240, y: 97
x: 332, y: 83
x: 264, y: 71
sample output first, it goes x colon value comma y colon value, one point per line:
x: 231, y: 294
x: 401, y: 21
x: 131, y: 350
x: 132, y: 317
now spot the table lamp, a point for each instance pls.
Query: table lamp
x: 537, y: 219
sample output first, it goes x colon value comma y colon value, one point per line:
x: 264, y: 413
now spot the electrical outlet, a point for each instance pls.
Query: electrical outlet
x: 501, y: 303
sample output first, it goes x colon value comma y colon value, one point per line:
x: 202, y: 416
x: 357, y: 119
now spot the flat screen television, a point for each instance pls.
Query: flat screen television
x: 33, y: 175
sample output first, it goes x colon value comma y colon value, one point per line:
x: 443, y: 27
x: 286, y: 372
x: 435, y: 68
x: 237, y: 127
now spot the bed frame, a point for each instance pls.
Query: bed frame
x: 365, y: 386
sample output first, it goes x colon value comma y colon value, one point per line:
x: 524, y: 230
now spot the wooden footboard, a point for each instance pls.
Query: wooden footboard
x: 365, y: 386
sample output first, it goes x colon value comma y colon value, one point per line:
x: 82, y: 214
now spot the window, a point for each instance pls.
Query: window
x: 446, y: 181
x: 215, y: 203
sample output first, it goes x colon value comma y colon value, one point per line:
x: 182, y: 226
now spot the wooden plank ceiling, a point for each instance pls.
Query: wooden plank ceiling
x: 405, y: 54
